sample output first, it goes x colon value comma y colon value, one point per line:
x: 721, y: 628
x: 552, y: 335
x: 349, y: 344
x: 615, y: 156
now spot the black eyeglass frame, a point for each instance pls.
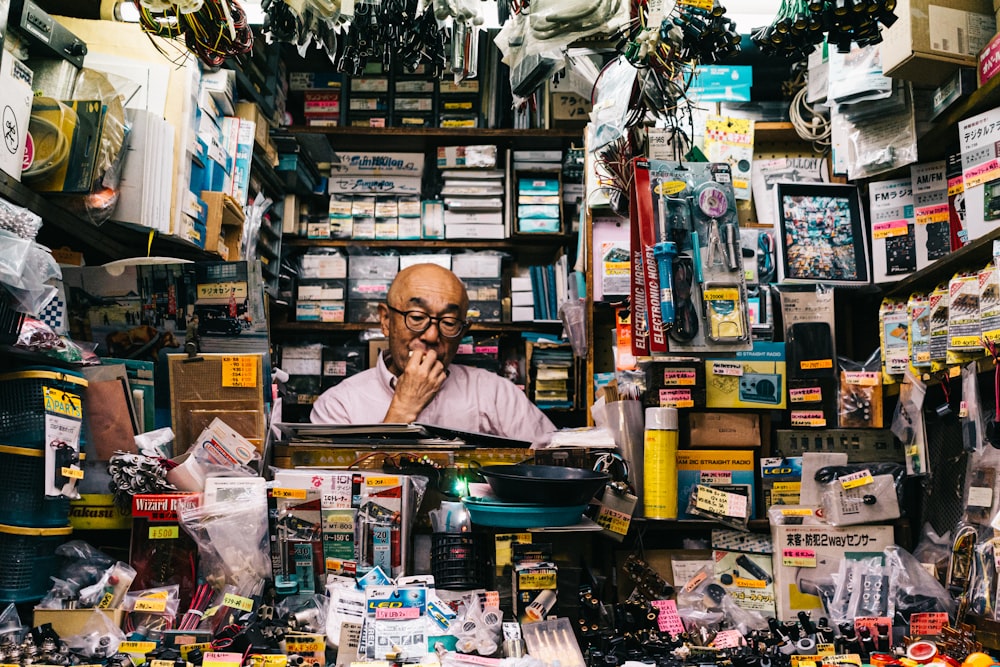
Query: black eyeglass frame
x: 436, y: 321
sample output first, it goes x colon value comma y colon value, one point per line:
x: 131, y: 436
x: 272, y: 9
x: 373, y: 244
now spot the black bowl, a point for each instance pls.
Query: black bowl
x: 549, y: 485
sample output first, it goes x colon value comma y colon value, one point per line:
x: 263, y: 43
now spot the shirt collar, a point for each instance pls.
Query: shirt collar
x: 386, y: 376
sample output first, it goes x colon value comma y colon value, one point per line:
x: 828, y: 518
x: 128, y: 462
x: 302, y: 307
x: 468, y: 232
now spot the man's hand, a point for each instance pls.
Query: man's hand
x: 416, y: 387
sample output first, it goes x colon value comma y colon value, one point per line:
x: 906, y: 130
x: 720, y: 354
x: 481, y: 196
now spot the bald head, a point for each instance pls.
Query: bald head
x: 429, y: 289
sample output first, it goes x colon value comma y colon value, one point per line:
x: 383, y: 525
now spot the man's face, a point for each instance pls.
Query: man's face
x: 431, y: 290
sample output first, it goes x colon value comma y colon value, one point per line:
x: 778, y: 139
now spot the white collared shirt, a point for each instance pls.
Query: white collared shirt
x: 471, y: 399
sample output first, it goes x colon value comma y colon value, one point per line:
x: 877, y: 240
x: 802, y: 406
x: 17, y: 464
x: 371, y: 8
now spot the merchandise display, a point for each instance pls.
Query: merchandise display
x: 683, y: 334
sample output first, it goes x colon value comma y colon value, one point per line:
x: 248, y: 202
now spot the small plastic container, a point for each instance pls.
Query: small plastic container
x: 458, y: 561
x: 22, y: 403
x: 22, y: 490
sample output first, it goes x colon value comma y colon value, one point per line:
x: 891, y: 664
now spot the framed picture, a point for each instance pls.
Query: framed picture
x: 822, y: 234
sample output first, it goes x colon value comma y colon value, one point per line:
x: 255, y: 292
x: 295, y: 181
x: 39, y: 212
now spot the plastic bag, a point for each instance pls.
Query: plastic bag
x: 706, y: 608
x: 861, y: 493
x: 971, y: 414
x: 110, y: 589
x: 232, y: 541
x: 151, y: 611
x: 908, y: 423
x: 914, y: 590
x: 99, y: 637
x: 860, y: 392
x: 882, y: 143
x: 25, y: 269
x: 19, y: 221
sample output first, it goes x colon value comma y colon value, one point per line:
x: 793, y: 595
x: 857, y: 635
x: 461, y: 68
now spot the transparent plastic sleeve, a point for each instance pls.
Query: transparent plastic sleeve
x: 232, y: 541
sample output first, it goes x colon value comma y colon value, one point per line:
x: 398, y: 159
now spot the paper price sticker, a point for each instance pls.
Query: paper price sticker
x: 928, y: 624
x: 153, y: 605
x: 164, y: 532
x: 187, y: 648
x: 218, y: 659
x: 301, y: 647
x: 797, y: 660
x: 731, y: 368
x: 676, y: 398
x: 398, y: 614
x: 381, y: 481
x: 805, y: 395
x: 239, y: 371
x: 749, y: 583
x: 964, y: 341
x: 266, y: 660
x: 140, y: 648
x: 73, y: 473
x: 863, y: 378
x: 667, y: 619
x: 537, y: 581
x: 715, y: 477
x: 720, y: 502
x: 234, y: 601
x: 728, y: 639
x: 856, y: 479
x: 980, y: 496
x: 793, y: 487
x: 797, y: 511
x: 721, y: 294
x: 886, y: 230
x: 679, y: 377
x: 843, y: 659
x: 613, y: 520
x: 808, y: 418
x: 700, y: 4
x: 798, y: 558
x: 295, y: 494
x: 815, y: 364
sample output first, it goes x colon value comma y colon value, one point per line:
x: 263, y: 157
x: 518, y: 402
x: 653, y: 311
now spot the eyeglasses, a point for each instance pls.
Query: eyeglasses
x: 418, y: 321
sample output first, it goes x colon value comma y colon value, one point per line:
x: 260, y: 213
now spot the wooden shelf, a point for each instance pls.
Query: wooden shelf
x: 770, y: 132
x: 975, y: 255
x: 106, y: 242
x: 514, y: 243
x: 475, y: 327
x: 443, y: 132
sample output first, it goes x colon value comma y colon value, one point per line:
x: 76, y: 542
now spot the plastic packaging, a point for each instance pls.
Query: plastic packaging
x: 232, y: 541
x: 908, y: 424
x: 860, y: 394
x: 110, y: 590
x: 151, y: 611
x: 19, y: 220
x: 971, y: 414
x: 861, y: 493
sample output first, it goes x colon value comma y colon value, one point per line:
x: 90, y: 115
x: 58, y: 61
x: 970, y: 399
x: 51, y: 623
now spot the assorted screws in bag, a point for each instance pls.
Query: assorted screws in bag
x: 800, y: 25
x: 135, y: 473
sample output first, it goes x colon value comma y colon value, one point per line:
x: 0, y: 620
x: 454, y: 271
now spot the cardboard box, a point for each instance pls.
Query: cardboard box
x: 933, y: 38
x: 724, y: 429
x: 70, y: 622
x: 15, y: 81
x: 806, y: 557
x: 713, y: 467
x: 755, y: 379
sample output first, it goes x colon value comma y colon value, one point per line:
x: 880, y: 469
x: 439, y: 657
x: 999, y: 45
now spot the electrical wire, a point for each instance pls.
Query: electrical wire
x: 809, y: 122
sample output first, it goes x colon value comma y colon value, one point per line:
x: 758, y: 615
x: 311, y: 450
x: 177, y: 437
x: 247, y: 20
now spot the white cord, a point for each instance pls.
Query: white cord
x: 817, y: 129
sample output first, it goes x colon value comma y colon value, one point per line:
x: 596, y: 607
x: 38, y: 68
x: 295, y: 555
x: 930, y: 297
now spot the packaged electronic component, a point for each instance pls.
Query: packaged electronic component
x: 938, y: 347
x: 918, y: 321
x: 964, y: 330
x: 893, y: 329
x: 860, y: 395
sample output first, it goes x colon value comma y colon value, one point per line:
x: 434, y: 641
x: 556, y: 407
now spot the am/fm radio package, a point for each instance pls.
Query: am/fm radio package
x: 687, y: 260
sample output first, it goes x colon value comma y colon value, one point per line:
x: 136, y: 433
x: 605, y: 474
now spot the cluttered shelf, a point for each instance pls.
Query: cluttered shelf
x: 976, y: 253
x: 446, y: 132
x: 538, y: 326
x: 108, y: 241
x: 770, y: 132
x: 513, y: 243
x: 942, y: 138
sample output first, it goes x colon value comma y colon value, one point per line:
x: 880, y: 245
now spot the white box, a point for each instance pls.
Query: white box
x: 441, y: 259
x: 382, y: 267
x: 16, y: 111
x: 522, y: 313
x: 894, y: 248
x: 464, y: 231
x: 476, y: 265
x: 323, y: 266
x: 522, y: 299
x: 807, y: 556
x: 520, y: 284
x: 379, y: 164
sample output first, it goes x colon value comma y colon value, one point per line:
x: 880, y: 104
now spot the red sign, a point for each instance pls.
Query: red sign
x: 989, y: 61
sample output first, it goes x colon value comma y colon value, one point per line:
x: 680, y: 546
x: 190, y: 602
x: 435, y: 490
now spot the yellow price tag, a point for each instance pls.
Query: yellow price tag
x: 73, y: 473
x: 204, y: 647
x: 150, y: 604
x: 749, y: 583
x: 798, y: 558
x: 613, y: 520
x: 304, y: 647
x: 536, y: 581
x: 816, y: 364
x: 234, y: 601
x: 137, y: 647
x: 164, y: 532
x: 295, y: 494
x: 239, y: 371
x: 797, y: 511
x: 854, y: 480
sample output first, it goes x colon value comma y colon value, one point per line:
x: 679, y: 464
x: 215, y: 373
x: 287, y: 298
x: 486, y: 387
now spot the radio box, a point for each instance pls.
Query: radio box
x: 806, y: 557
x: 755, y: 379
x: 713, y: 467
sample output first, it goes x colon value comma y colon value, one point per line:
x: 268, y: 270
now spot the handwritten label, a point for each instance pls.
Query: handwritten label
x: 679, y: 377
x: 856, y: 479
x: 719, y: 502
x: 187, y: 648
x: 667, y: 618
x: 234, y: 601
x: 74, y: 473
x: 805, y: 395
x: 295, y: 494
x: 928, y: 624
x: 137, y: 647
x: 164, y: 532
x: 218, y: 659
x: 815, y: 364
x: 150, y: 604
x: 796, y: 511
x: 885, y: 230
x: 728, y: 639
x: 239, y: 371
x: 808, y: 418
x: 863, y: 378
x: 798, y: 558
x: 727, y: 368
x: 980, y: 496
x: 749, y: 583
x: 613, y: 520
x: 715, y: 477
x: 397, y: 614
x: 305, y: 646
x: 676, y: 398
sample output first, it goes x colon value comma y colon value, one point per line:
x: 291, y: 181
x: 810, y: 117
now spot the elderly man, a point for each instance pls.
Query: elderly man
x: 424, y: 320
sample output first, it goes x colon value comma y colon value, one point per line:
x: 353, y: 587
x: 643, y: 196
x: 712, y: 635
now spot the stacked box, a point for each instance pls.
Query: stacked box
x: 473, y: 197
x: 322, y: 107
x: 539, y: 204
x: 368, y: 98
x: 459, y: 103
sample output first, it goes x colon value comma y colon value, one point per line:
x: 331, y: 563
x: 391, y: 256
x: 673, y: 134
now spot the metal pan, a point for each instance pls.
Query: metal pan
x: 550, y: 485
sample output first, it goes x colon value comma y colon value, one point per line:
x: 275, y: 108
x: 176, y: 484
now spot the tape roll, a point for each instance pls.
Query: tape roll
x: 921, y: 651
x: 806, y: 646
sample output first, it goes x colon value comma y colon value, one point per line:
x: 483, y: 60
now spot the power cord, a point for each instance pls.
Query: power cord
x: 809, y: 122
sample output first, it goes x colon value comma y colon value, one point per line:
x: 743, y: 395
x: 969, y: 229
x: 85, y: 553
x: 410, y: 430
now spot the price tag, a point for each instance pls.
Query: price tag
x: 667, y: 618
x: 805, y: 395
x: 140, y: 648
x: 310, y: 646
x: 727, y: 368
x: 980, y: 496
x: 963, y: 341
x: 808, y: 418
x: 715, y: 477
x: 843, y: 659
x: 797, y: 511
x: 721, y: 503
x: 885, y: 230
x: 613, y: 520
x: 239, y: 371
x: 234, y: 601
x: 217, y: 659
x: 74, y: 473
x: 749, y: 583
x: 854, y: 480
x: 815, y: 364
x: 187, y: 648
x: 676, y: 398
x: 963, y: 409
x: 798, y: 558
x: 728, y: 639
x: 164, y: 532
x: 397, y: 614
x: 267, y: 660
x: 863, y: 378
x: 151, y: 604
x: 927, y: 624
x: 295, y: 494
x: 674, y: 377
